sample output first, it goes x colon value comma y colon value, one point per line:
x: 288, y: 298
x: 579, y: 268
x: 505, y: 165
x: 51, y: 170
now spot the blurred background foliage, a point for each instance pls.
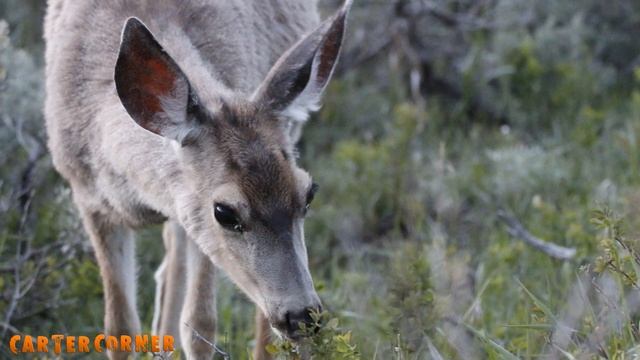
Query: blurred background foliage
x: 443, y: 115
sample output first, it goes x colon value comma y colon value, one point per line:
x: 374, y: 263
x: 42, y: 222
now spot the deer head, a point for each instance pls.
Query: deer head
x: 243, y: 199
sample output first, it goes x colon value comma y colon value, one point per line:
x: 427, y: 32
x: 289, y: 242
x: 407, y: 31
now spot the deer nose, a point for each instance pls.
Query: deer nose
x: 292, y: 322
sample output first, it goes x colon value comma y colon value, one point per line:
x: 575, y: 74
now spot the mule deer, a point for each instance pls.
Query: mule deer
x: 188, y: 115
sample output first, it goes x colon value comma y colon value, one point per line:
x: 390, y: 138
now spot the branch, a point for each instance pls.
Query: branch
x: 10, y: 328
x: 515, y: 229
x: 363, y: 54
x: 38, y: 253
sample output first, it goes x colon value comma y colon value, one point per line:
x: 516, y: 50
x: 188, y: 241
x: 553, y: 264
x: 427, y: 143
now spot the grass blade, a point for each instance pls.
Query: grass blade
x: 506, y: 354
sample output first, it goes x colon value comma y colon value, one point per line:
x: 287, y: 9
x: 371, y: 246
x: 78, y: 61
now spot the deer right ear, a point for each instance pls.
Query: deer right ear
x: 152, y: 88
x: 294, y: 85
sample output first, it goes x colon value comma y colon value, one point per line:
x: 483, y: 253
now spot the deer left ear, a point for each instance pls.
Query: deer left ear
x: 293, y: 87
x: 152, y: 88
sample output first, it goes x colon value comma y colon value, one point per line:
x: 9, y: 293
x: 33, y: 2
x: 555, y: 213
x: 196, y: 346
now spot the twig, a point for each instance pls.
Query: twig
x: 515, y: 229
x: 616, y: 269
x: 213, y: 346
x: 24, y: 196
x: 17, y: 295
x: 10, y: 327
x: 618, y: 237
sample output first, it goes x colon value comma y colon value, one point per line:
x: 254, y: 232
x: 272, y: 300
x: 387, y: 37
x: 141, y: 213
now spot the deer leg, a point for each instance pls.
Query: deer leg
x: 170, y: 282
x: 198, y: 318
x: 114, y: 246
x: 263, y: 337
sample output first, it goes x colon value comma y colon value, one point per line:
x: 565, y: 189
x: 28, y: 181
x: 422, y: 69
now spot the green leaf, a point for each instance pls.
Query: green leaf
x: 271, y: 349
x: 544, y: 327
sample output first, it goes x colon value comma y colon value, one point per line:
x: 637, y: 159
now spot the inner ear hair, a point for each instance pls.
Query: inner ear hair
x: 151, y: 86
x: 294, y: 85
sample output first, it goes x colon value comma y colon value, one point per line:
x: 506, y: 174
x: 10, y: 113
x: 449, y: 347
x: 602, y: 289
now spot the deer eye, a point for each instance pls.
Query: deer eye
x: 227, y: 217
x: 310, y: 195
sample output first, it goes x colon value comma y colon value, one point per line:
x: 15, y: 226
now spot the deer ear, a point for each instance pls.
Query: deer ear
x: 151, y: 86
x: 294, y: 85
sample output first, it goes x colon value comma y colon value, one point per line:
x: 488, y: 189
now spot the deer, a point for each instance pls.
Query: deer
x: 187, y: 114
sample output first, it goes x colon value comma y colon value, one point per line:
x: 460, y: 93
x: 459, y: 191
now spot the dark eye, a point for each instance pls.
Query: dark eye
x: 227, y: 217
x: 310, y: 195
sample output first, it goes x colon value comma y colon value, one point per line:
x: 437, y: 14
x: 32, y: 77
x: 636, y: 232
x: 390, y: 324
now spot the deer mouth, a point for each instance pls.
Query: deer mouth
x: 296, y: 325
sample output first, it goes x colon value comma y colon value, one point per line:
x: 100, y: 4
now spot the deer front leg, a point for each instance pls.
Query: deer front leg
x: 199, y: 309
x: 114, y: 247
x: 171, y: 279
x: 263, y: 337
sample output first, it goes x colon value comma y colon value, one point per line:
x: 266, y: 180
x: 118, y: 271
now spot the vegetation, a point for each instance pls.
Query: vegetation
x: 453, y: 113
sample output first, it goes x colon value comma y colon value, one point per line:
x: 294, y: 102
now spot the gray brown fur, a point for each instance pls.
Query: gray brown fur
x: 83, y: 38
x: 232, y: 103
